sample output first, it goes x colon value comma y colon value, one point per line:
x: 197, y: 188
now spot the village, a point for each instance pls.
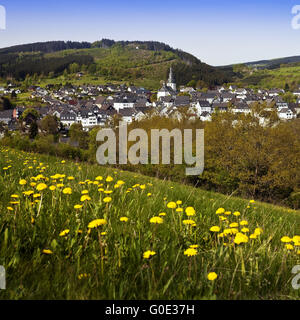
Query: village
x: 96, y: 105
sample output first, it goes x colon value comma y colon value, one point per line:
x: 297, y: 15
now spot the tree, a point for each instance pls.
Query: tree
x: 77, y: 135
x: 74, y: 67
x: 33, y: 130
x: 49, y: 125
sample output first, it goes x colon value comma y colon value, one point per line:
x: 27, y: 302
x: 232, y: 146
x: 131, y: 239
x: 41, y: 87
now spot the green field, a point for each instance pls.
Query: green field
x: 275, y: 78
x: 111, y: 248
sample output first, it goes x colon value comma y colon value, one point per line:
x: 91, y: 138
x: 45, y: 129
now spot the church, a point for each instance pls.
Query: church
x: 168, y: 89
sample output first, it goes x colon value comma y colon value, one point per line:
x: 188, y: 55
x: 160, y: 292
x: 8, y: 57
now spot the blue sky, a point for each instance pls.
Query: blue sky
x: 217, y: 32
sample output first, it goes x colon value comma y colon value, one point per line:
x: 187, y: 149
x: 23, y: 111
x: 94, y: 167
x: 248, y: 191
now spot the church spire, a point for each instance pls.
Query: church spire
x: 171, y: 80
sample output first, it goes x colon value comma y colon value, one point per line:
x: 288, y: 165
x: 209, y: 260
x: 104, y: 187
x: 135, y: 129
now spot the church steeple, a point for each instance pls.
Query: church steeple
x: 171, y: 80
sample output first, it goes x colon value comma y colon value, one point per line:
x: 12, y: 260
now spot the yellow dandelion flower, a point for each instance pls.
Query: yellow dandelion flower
x: 10, y: 209
x: 234, y: 225
x: 236, y: 213
x: 288, y: 246
x: 22, y: 182
x: 47, y: 251
x: 78, y: 206
x: 156, y: 220
x: 244, y: 223
x: 179, y: 202
x: 64, y: 233
x: 97, y: 223
x: 107, y: 199
x: 258, y: 231
x: 41, y: 187
x: 171, y: 205
x: 212, y: 276
x: 220, y: 211
x: 190, y: 211
x: 85, y: 198
x: 179, y: 210
x: 240, y: 238
x: 245, y: 230
x: 188, y: 222
x: 123, y: 219
x: 109, y: 179
x: 148, y: 254
x: 99, y: 178
x: 286, y: 239
x: 162, y: 214
x: 52, y: 188
x: 190, y: 252
x: 215, y: 229
x: 67, y: 191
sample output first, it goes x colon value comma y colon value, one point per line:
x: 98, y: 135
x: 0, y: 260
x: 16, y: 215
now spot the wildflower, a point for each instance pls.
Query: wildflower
x: 85, y: 198
x: 143, y: 187
x: 189, y: 222
x: 252, y: 201
x: 222, y: 218
x: 109, y: 179
x: 179, y: 210
x: 240, y: 238
x: 123, y: 219
x: 194, y: 246
x: 296, y: 239
x: 190, y: 211
x: 236, y: 213
x: 41, y: 187
x: 258, y: 231
x: 148, y: 254
x: 212, y: 276
x: 99, y: 178
x: 162, y: 214
x: 63, y: 161
x: 156, y: 220
x: 171, y: 205
x: 71, y: 178
x: 289, y: 246
x: 244, y: 223
x: 67, y: 191
x: 14, y: 196
x: 22, y: 182
x: 108, y: 191
x: 64, y: 233
x: 28, y: 193
x: 234, y: 225
x: 47, y: 251
x: 96, y: 223
x: 107, y: 199
x: 286, y: 239
x: 190, y: 252
x: 84, y: 191
x: 179, y: 202
x: 78, y: 206
x: 220, y: 211
x: 215, y: 229
x: 120, y: 182
x: 245, y: 230
x: 52, y: 188
x: 149, y: 194
x: 10, y: 209
x: 228, y: 213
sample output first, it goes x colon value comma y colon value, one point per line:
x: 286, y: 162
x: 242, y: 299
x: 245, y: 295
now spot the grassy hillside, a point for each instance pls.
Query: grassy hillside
x: 274, y: 78
x: 141, y: 63
x: 154, y: 239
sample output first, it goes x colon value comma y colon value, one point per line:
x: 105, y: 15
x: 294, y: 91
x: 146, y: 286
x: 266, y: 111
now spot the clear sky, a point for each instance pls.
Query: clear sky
x: 217, y: 32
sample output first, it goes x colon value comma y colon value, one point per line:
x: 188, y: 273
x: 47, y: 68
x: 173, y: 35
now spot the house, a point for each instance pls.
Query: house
x: 205, y: 116
x: 67, y: 118
x: 182, y: 101
x: 123, y: 103
x: 286, y: 114
x: 203, y: 106
x: 6, y: 116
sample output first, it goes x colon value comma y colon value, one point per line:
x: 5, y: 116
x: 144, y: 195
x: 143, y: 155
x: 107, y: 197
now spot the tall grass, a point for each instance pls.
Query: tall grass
x: 108, y: 262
